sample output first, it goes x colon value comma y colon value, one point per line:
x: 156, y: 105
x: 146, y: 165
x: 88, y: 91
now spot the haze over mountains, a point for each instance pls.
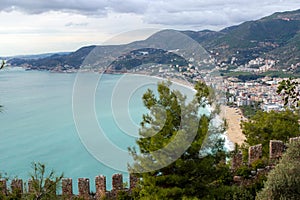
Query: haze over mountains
x: 275, y: 37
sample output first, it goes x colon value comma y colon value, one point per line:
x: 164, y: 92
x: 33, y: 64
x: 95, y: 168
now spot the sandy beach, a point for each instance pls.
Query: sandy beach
x: 233, y: 117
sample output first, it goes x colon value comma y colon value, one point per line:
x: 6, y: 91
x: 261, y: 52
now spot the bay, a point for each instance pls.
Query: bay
x: 37, y: 123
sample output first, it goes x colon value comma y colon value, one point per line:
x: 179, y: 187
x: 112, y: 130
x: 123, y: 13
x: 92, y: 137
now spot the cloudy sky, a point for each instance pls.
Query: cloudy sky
x: 40, y: 26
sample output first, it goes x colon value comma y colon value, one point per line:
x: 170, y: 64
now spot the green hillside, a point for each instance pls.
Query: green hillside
x: 275, y: 36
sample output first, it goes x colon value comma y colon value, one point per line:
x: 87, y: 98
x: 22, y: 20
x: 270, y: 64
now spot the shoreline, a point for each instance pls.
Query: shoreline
x: 177, y: 81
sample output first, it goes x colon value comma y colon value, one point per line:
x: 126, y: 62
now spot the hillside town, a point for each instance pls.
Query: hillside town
x: 236, y: 92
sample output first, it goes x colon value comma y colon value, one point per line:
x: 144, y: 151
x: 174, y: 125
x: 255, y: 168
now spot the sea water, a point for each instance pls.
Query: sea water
x: 37, y: 122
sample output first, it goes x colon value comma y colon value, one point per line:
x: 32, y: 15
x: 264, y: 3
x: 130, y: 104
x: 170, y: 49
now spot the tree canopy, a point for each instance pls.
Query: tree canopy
x: 169, y: 127
x: 289, y: 89
x: 266, y: 126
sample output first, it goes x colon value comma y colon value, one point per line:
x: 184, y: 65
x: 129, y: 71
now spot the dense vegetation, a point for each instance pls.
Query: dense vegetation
x: 283, y: 182
x: 208, y: 177
x: 289, y: 89
x: 266, y: 126
x: 250, y: 110
x: 147, y: 56
x: 191, y: 175
x: 66, y: 61
x: 276, y: 36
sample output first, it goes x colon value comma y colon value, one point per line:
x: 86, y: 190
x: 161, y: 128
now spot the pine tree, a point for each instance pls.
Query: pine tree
x: 173, y: 134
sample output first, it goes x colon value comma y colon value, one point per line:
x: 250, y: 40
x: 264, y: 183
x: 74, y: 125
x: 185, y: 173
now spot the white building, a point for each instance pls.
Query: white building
x: 270, y: 107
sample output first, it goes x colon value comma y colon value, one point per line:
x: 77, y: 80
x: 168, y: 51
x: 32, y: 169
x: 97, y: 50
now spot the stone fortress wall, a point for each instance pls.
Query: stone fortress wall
x: 84, y: 191
x: 277, y: 148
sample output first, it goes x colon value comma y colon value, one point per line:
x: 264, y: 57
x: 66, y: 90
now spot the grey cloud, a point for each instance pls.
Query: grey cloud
x: 213, y: 13
x: 35, y: 7
x: 187, y: 18
x: 164, y: 12
x: 85, y: 7
x: 129, y: 6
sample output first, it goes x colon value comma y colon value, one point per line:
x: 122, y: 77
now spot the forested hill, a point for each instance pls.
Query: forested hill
x: 276, y: 37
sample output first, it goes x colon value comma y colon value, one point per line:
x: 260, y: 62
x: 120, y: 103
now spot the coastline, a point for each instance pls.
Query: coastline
x: 177, y: 81
x: 233, y: 117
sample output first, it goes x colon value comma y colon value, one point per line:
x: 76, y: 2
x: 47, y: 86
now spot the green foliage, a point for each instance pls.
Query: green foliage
x: 191, y: 175
x: 259, y: 164
x: 189, y: 198
x: 243, y: 171
x: 250, y: 110
x: 250, y: 77
x: 283, y: 182
x: 266, y: 126
x: 44, y: 186
x: 236, y: 74
x: 289, y: 89
x: 136, y: 57
x: 124, y: 195
x: 231, y: 193
x: 279, y: 74
x: 270, y: 37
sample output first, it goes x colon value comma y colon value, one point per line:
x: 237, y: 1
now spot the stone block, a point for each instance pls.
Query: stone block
x: 255, y: 153
x: 67, y: 188
x: 133, y: 181
x: 237, y: 161
x: 84, y: 188
x: 295, y: 139
x: 277, y: 147
x: 117, y: 182
x: 100, y: 182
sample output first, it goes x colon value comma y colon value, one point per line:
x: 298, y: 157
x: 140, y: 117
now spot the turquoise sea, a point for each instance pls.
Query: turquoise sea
x: 37, y: 123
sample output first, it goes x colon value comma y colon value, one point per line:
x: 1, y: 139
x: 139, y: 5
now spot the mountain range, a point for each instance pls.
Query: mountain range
x: 275, y: 37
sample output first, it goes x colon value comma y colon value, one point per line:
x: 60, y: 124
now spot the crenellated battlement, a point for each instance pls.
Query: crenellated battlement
x: 84, y: 191
x: 276, y: 150
x: 277, y: 147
